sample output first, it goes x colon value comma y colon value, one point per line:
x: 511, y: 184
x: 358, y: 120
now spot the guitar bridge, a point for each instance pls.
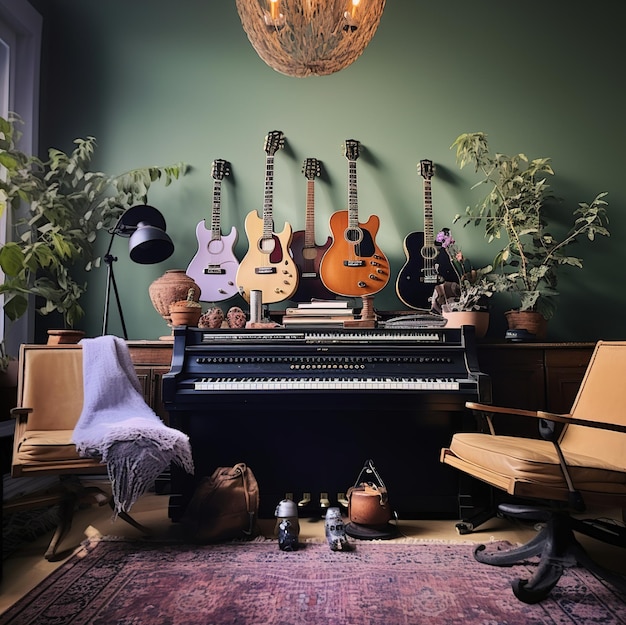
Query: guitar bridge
x: 264, y: 271
x: 214, y: 270
x: 353, y: 263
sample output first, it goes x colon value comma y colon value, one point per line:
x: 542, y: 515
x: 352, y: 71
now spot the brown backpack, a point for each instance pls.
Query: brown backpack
x: 223, y: 507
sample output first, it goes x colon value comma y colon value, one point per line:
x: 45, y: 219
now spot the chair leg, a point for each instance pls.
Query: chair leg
x: 557, y: 549
x: 66, y: 513
x: 130, y: 520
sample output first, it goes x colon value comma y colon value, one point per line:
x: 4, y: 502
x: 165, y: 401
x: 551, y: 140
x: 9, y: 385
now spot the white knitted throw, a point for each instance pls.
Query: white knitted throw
x: 118, y: 426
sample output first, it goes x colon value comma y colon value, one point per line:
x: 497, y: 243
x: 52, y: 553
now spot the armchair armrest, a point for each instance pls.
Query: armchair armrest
x: 543, y: 414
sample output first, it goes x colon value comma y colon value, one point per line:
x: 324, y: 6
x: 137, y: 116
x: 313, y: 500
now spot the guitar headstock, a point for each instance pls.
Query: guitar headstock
x: 311, y: 168
x: 220, y: 168
x: 351, y: 149
x: 426, y: 169
x: 274, y: 141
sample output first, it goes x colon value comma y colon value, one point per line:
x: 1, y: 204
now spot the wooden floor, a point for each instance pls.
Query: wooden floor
x: 24, y: 569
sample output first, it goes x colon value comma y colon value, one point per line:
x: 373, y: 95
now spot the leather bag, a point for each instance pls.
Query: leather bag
x: 224, y: 506
x: 368, y: 500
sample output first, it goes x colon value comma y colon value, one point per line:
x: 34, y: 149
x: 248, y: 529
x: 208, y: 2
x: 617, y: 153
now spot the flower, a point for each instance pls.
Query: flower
x: 472, y: 288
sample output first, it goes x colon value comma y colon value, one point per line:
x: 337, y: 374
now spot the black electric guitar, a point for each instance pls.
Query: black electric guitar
x: 306, y: 254
x: 214, y: 266
x: 354, y: 265
x: 267, y: 265
x: 427, y: 264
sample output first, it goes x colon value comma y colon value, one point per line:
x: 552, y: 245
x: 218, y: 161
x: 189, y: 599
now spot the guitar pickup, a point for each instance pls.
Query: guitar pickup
x: 264, y: 271
x: 214, y: 271
x: 353, y: 263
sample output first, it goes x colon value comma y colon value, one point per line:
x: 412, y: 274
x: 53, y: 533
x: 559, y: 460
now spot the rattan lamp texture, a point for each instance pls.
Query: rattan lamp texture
x: 309, y: 37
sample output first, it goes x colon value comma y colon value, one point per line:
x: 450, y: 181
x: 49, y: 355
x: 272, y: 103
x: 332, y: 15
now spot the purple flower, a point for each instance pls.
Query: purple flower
x: 445, y: 238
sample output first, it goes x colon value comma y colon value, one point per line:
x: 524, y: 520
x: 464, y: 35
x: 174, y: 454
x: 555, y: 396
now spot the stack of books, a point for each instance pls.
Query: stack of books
x: 319, y: 313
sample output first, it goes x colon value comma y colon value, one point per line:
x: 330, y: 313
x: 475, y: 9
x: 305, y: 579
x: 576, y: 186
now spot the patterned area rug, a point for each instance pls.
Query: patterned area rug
x: 377, y: 583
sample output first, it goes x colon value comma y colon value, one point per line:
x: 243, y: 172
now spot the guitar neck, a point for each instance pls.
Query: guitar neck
x: 353, y: 206
x: 216, y: 227
x: 429, y: 237
x: 268, y: 218
x: 309, y: 221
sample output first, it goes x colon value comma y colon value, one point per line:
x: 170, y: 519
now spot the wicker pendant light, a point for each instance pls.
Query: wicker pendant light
x: 309, y: 37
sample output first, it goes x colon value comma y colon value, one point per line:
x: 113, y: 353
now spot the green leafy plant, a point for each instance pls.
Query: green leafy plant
x: 513, y: 211
x: 60, y: 206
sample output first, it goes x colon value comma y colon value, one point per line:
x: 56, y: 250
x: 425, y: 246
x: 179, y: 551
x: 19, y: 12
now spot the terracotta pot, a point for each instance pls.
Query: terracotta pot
x: 171, y: 287
x: 185, y: 316
x: 64, y: 337
x: 477, y: 318
x: 529, y: 320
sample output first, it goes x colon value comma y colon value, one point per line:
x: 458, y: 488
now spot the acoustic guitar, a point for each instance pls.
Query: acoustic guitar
x: 306, y: 254
x: 354, y: 265
x: 427, y: 264
x: 267, y: 265
x: 214, y: 266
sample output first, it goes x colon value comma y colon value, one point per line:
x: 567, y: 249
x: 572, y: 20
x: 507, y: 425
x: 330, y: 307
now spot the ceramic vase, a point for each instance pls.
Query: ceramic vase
x: 171, y: 287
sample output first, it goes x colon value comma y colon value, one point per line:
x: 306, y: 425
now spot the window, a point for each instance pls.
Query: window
x: 20, y: 49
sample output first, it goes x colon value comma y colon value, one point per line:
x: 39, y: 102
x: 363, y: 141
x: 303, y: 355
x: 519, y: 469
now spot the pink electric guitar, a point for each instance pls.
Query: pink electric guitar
x: 354, y: 265
x: 306, y: 254
x: 214, y: 267
x: 267, y: 265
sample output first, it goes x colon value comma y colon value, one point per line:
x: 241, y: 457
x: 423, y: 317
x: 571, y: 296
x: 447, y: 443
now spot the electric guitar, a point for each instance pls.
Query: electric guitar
x: 306, y: 254
x: 214, y: 267
x: 354, y: 266
x: 267, y: 265
x: 427, y: 264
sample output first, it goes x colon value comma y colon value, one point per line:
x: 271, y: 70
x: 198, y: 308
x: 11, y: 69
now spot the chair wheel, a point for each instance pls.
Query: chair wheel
x: 464, y: 528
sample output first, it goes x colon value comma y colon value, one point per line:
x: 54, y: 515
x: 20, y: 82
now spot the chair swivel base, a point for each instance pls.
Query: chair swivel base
x: 557, y: 548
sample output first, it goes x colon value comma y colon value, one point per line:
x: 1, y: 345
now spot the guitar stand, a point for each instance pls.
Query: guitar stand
x: 367, y: 318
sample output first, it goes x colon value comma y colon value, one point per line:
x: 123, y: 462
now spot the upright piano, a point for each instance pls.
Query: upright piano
x: 305, y: 409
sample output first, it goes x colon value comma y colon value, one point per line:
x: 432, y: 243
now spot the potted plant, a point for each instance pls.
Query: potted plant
x: 60, y: 206
x: 512, y: 211
x: 465, y: 301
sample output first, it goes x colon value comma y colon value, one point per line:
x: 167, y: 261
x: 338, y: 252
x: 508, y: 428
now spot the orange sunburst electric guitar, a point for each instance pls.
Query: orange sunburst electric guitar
x: 267, y: 265
x: 354, y: 265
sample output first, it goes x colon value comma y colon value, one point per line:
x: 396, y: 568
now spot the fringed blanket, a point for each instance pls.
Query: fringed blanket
x: 118, y: 426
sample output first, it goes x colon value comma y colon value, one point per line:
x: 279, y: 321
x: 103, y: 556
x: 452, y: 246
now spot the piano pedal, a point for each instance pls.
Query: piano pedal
x: 305, y: 501
x: 342, y: 500
x: 324, y: 501
x: 289, y: 496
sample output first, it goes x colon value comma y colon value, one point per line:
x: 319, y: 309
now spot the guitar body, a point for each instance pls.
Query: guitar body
x: 416, y: 283
x: 308, y: 259
x: 214, y: 266
x: 267, y: 265
x: 354, y: 269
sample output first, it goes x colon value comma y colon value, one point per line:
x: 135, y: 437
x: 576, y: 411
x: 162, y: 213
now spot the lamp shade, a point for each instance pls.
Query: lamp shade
x: 149, y: 244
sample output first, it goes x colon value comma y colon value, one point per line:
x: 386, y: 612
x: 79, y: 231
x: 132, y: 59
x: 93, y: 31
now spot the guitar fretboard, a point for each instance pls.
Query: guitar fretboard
x: 268, y: 220
x: 216, y: 227
x: 353, y: 206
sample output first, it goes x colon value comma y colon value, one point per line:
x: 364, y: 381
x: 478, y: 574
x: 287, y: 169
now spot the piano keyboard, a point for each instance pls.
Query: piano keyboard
x: 325, y: 384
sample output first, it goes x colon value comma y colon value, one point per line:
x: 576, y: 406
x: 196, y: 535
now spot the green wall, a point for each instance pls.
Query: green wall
x: 158, y: 82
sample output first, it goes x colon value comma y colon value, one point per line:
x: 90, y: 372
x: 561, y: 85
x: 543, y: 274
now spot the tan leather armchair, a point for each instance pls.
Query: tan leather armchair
x: 50, y: 399
x: 583, y: 464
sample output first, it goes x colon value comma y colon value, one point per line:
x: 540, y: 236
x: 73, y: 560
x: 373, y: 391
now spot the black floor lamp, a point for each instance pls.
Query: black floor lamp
x: 148, y: 243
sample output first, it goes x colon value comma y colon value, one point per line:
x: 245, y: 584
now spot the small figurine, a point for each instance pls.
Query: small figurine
x: 287, y: 536
x: 236, y: 318
x: 335, y: 531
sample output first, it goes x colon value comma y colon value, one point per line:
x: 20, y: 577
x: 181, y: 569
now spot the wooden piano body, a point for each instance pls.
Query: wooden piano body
x: 305, y: 409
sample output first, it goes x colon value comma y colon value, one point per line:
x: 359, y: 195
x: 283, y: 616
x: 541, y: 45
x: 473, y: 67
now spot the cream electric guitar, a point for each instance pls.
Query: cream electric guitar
x: 354, y: 265
x: 214, y: 267
x: 267, y: 265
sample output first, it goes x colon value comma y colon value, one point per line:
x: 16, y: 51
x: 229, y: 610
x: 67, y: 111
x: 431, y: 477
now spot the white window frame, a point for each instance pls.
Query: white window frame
x: 21, y: 33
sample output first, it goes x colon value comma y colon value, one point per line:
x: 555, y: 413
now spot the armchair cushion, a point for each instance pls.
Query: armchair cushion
x: 510, y: 460
x: 46, y: 446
